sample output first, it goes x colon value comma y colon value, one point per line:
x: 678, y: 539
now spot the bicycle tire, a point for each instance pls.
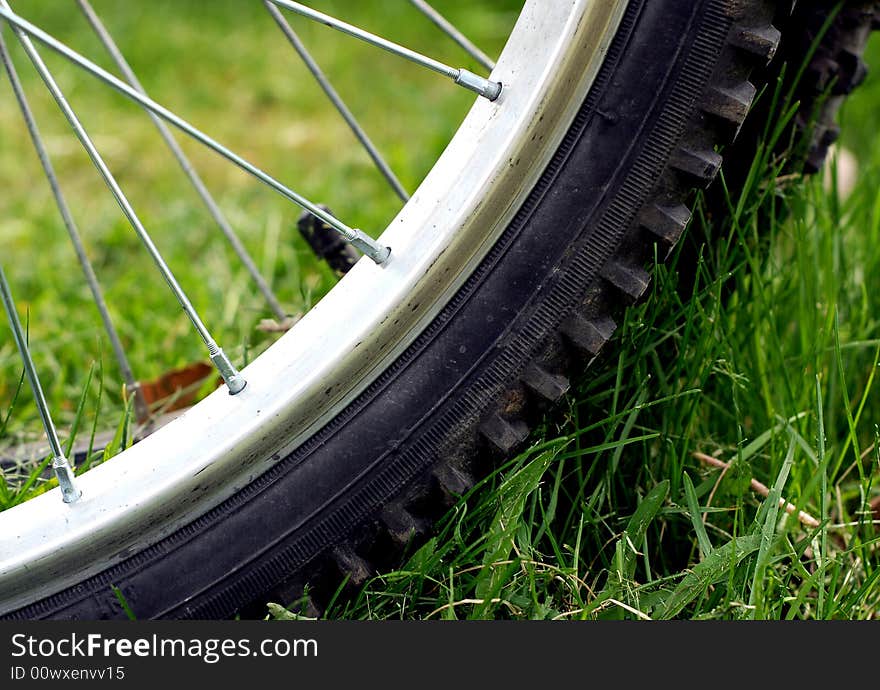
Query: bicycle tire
x: 672, y: 86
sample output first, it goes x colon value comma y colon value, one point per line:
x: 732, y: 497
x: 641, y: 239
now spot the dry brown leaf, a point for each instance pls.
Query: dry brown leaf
x: 176, y: 389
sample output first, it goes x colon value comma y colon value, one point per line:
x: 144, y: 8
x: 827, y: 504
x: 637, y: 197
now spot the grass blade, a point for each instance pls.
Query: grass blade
x: 713, y: 570
x: 695, y: 514
x: 770, y: 511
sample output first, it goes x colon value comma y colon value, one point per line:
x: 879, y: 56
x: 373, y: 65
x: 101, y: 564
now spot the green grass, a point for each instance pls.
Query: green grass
x: 768, y: 363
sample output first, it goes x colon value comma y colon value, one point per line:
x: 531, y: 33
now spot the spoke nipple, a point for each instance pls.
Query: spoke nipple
x: 486, y: 88
x: 379, y: 253
x: 235, y: 382
x: 69, y: 492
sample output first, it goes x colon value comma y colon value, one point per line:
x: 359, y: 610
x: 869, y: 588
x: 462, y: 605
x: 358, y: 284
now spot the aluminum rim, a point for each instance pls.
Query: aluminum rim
x: 343, y: 343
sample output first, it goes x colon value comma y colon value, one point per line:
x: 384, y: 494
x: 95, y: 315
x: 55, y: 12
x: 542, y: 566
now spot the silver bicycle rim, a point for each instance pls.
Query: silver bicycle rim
x: 341, y: 345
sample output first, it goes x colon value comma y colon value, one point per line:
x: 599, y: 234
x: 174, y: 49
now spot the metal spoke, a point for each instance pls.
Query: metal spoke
x: 230, y: 374
x: 194, y: 178
x: 484, y: 87
x: 363, y: 242
x: 72, y: 230
x: 452, y: 31
x: 60, y: 464
x: 336, y: 99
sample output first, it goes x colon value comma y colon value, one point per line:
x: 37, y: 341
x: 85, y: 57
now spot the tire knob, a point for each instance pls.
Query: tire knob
x: 326, y: 243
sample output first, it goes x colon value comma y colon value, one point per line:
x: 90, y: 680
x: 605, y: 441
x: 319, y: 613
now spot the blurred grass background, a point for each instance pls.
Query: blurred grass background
x: 226, y: 68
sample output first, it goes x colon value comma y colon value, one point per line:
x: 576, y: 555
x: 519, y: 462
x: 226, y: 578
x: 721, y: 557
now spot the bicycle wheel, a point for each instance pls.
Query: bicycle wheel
x: 508, y: 266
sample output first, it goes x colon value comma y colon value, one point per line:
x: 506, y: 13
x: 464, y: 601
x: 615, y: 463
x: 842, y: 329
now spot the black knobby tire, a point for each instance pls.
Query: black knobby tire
x: 673, y: 86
